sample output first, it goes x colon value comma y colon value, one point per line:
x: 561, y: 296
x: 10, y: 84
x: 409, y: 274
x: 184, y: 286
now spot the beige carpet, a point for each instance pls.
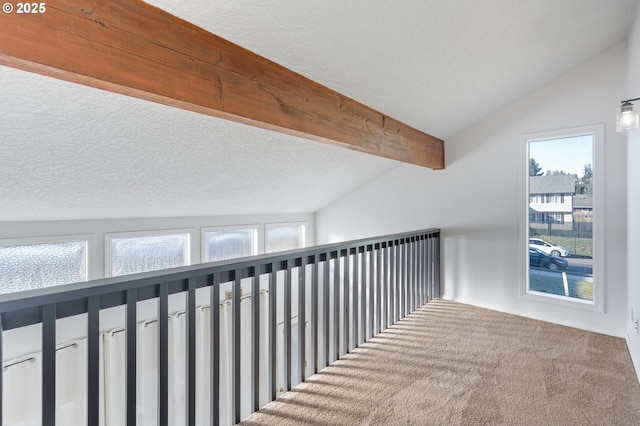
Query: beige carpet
x: 453, y: 364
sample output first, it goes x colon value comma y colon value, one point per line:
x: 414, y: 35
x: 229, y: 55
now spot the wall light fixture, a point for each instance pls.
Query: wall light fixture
x: 627, y: 116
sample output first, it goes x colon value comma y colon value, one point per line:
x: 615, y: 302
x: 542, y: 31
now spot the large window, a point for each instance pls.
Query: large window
x: 229, y: 243
x: 131, y: 253
x: 561, y: 243
x: 27, y: 265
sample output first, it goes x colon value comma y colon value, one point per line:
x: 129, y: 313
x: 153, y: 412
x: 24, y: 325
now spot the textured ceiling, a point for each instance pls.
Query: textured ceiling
x: 71, y: 152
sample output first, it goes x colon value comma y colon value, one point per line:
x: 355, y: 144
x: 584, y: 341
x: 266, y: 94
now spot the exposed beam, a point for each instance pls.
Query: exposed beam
x: 130, y: 47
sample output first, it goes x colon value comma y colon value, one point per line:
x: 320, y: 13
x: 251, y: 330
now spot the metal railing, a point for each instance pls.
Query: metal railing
x: 347, y: 293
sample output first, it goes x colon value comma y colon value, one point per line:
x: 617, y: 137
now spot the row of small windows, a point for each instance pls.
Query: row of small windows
x: 546, y: 198
x: 546, y: 218
x: 44, y: 264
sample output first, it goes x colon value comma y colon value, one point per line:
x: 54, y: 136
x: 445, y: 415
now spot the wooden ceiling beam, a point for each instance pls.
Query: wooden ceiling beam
x: 132, y: 48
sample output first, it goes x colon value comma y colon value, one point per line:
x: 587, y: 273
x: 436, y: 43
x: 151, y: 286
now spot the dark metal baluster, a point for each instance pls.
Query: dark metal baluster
x: 372, y: 281
x: 412, y: 258
x: 429, y: 267
x: 407, y: 275
x: 393, y: 283
x: 255, y: 341
x: 399, y: 279
x: 403, y: 278
x: 302, y: 319
x: 346, y: 323
x: 93, y: 360
x: 410, y: 275
x: 236, y: 294
x: 387, y: 279
x: 414, y: 261
x: 416, y: 282
x: 271, y: 377
x: 325, y: 307
x: 315, y: 296
x: 163, y: 363
x: 215, y: 347
x: 421, y: 270
x: 336, y: 306
x: 49, y: 365
x: 418, y: 272
x: 287, y: 326
x: 379, y: 285
x: 191, y: 352
x: 436, y: 266
x: 363, y: 294
x: 396, y: 267
x: 354, y: 300
x: 423, y: 262
x: 385, y: 287
x: 132, y: 338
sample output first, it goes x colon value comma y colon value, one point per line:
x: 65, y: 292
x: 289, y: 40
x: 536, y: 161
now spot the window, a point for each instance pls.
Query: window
x: 280, y: 237
x: 131, y: 253
x: 562, y: 249
x: 33, y: 264
x: 229, y: 243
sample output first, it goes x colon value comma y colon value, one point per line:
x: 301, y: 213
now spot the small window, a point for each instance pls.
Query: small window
x: 135, y: 253
x: 223, y: 244
x: 42, y: 264
x: 279, y: 237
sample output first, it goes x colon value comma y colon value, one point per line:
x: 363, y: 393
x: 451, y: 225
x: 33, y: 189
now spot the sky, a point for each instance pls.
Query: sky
x: 566, y: 154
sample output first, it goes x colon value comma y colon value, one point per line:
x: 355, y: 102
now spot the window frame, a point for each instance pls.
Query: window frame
x: 110, y: 236
x: 88, y: 239
x: 597, y: 304
x: 256, y: 243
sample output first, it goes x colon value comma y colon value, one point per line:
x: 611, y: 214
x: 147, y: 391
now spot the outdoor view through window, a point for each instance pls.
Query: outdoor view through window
x: 561, y: 216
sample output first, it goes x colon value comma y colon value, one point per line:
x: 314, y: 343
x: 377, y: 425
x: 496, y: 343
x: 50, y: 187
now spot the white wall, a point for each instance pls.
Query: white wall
x: 475, y: 200
x: 633, y: 198
x: 97, y: 229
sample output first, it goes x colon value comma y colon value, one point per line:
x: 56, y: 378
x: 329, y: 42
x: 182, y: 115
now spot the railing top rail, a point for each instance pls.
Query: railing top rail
x: 63, y: 293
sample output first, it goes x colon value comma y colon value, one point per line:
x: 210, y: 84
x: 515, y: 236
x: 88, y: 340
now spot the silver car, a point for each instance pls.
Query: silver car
x: 548, y: 248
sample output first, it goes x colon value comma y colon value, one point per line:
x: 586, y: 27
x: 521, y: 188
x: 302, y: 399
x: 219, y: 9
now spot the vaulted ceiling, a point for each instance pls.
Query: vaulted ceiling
x: 72, y: 152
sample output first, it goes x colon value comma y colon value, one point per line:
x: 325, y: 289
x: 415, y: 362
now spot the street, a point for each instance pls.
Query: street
x: 582, y: 266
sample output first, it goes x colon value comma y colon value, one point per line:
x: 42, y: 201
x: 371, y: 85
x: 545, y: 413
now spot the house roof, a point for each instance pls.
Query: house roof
x: 72, y: 152
x: 582, y: 201
x: 552, y: 184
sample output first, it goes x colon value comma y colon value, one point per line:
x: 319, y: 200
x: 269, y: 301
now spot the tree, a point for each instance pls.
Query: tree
x: 585, y: 183
x: 534, y: 168
x: 556, y: 173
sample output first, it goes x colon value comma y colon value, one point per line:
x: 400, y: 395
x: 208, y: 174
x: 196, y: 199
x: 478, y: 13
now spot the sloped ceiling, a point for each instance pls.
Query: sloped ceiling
x: 72, y: 152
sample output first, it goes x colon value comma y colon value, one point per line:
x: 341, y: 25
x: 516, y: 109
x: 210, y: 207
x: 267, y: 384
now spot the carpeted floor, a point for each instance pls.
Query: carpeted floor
x: 454, y: 364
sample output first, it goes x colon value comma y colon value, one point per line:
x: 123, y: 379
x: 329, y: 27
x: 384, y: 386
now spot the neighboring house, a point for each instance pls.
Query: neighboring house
x: 551, y: 201
x: 583, y: 208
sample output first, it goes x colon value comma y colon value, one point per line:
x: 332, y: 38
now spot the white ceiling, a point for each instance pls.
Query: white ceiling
x: 71, y: 152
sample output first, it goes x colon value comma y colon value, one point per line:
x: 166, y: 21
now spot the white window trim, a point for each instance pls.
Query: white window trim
x: 256, y: 249
x: 89, y: 239
x: 598, y: 218
x: 305, y: 236
x: 108, y: 237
